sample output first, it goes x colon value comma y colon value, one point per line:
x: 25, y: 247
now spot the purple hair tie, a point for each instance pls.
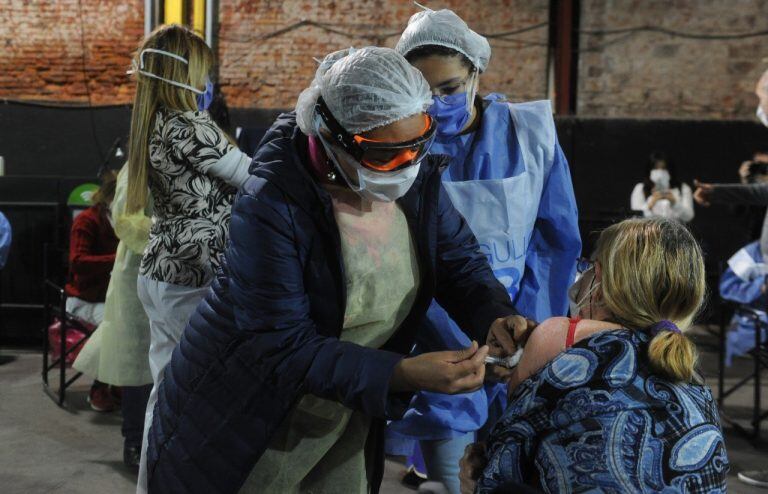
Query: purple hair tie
x: 664, y: 325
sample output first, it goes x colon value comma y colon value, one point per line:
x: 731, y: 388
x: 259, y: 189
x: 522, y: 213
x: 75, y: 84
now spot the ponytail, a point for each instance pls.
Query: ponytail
x: 652, y: 279
x: 673, y: 355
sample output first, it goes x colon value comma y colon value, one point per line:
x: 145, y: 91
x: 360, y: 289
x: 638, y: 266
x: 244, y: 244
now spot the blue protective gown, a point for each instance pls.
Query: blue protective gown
x: 510, y: 180
x: 747, y: 290
x: 5, y: 239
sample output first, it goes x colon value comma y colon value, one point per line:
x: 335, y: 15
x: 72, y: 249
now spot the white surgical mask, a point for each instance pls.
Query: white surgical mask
x: 384, y: 187
x: 762, y: 116
x: 371, y: 185
x: 660, y: 178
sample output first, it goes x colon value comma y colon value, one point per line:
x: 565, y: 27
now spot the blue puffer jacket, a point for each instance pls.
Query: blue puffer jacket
x: 267, y: 332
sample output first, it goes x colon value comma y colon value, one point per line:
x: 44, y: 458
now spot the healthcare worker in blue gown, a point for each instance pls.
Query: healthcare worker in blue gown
x: 510, y: 180
x: 744, y: 282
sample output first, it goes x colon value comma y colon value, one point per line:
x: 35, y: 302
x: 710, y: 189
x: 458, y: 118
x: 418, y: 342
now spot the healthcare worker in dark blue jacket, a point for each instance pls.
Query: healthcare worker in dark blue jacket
x: 339, y: 241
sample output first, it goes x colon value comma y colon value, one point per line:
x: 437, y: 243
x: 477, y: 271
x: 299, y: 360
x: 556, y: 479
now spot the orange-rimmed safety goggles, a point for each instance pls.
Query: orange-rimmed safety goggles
x: 376, y: 155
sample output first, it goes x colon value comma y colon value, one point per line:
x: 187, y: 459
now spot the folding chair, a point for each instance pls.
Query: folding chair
x: 56, y: 308
x: 759, y: 357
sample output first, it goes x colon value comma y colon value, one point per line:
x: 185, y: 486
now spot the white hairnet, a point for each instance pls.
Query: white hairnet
x: 305, y: 105
x: 444, y: 28
x: 364, y: 89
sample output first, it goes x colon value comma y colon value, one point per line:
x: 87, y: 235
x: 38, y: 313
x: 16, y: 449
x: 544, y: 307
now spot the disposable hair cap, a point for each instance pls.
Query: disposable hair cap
x: 444, y: 28
x: 364, y: 89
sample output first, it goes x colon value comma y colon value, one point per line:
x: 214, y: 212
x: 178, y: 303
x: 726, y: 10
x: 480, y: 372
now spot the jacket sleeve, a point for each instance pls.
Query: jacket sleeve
x: 269, y: 299
x: 638, y: 201
x: 201, y: 143
x: 737, y: 290
x: 131, y: 229
x: 550, y: 262
x: 466, y: 286
x: 756, y: 194
x: 683, y: 208
x: 81, y: 246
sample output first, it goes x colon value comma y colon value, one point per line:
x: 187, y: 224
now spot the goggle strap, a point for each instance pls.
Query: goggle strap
x: 340, y: 135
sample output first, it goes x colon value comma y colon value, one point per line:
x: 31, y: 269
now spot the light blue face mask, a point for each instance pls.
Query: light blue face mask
x: 204, y: 100
x: 452, y: 112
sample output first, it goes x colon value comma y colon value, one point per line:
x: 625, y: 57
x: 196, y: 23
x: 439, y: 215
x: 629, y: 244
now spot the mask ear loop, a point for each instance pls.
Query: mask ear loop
x: 590, y: 292
x: 473, y: 91
x: 140, y: 69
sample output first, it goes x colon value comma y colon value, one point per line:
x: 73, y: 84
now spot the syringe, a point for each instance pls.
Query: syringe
x: 508, y: 362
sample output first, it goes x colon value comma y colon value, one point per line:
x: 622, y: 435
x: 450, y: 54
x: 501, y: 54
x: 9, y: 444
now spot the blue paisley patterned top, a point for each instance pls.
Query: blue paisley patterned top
x: 595, y: 419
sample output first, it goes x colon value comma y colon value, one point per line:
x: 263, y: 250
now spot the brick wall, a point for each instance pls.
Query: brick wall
x: 42, y: 51
x: 657, y: 75
x: 637, y: 75
x: 270, y: 73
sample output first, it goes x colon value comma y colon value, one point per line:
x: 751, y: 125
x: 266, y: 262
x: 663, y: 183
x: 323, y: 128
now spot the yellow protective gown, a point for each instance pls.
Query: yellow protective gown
x: 319, y: 448
x: 118, y: 351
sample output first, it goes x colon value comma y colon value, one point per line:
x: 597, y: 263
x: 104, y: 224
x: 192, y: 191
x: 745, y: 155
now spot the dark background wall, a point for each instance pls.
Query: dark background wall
x: 49, y: 151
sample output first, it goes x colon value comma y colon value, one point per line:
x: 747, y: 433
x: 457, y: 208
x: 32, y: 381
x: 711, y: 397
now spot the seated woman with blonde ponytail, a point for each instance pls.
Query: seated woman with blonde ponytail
x: 610, y: 401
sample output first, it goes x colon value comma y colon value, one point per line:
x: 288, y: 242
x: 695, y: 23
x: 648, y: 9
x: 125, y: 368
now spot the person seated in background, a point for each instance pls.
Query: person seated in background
x: 661, y: 194
x: 92, y: 247
x: 611, y: 402
x: 744, y: 282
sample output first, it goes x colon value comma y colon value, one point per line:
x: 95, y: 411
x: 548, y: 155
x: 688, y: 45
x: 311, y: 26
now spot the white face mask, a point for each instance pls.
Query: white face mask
x: 384, y: 187
x: 660, y: 178
x: 762, y: 116
x: 371, y: 185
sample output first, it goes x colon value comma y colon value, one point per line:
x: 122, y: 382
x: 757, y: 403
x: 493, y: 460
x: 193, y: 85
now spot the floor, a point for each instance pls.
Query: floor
x: 47, y: 449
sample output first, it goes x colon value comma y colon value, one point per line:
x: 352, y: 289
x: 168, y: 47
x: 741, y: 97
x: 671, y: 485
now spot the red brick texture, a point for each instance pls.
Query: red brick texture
x: 42, y: 50
x: 271, y: 72
x: 265, y: 58
x: 657, y: 75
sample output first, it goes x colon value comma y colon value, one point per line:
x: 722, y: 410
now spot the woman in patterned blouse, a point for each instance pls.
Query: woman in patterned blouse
x: 611, y: 402
x: 193, y: 170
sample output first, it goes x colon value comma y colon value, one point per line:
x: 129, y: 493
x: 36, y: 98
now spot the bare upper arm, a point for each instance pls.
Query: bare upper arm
x: 547, y: 341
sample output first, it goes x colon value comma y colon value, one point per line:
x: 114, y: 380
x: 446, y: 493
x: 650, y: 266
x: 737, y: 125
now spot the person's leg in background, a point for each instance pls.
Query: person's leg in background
x: 168, y: 309
x: 406, y: 450
x: 442, y: 460
x: 134, y: 405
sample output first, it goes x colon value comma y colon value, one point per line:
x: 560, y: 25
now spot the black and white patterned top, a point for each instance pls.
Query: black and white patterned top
x: 190, y: 224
